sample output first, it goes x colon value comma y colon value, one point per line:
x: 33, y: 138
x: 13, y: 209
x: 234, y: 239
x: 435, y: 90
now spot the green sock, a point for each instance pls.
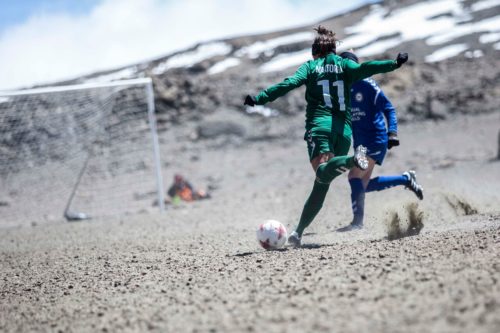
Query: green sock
x: 312, y: 206
x: 334, y: 167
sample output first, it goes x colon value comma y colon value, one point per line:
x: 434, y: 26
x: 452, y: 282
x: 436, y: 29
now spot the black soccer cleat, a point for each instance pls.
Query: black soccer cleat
x: 412, y: 184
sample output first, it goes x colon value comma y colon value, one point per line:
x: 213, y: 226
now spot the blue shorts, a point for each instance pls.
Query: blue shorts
x: 375, y: 151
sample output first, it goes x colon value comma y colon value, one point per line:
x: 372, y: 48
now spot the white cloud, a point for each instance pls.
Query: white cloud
x: 50, y: 47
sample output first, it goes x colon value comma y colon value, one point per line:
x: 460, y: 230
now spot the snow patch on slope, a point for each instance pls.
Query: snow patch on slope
x: 446, y: 52
x: 286, y: 60
x: 267, y: 47
x: 188, y: 59
x: 223, y: 65
x: 126, y: 73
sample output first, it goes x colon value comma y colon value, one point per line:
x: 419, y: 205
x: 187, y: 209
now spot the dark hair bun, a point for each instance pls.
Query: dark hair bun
x: 324, y: 43
x: 321, y: 30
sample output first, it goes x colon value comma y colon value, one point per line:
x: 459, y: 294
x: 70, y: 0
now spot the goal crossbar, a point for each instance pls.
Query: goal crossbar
x: 81, y: 86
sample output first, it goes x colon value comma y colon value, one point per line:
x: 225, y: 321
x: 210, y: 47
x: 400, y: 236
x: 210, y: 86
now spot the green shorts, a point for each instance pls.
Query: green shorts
x: 319, y: 142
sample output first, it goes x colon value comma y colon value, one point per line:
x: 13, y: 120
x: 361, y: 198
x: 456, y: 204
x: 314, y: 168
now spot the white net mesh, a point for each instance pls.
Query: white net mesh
x: 82, y: 150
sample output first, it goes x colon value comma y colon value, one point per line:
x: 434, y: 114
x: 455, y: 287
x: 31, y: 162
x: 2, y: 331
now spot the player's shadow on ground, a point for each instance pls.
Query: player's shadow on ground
x: 246, y: 254
x: 314, y: 246
x: 309, y: 246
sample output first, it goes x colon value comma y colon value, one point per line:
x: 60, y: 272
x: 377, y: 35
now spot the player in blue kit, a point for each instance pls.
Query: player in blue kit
x: 370, y: 111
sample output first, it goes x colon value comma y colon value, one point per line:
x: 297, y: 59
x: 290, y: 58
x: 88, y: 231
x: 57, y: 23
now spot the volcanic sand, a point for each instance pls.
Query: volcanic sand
x: 198, y: 267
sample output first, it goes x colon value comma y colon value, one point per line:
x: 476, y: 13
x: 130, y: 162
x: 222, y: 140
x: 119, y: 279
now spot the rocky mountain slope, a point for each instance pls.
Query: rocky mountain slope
x: 453, y: 46
x: 453, y: 69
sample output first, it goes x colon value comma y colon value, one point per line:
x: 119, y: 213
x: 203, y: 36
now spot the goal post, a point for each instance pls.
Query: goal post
x: 91, y: 148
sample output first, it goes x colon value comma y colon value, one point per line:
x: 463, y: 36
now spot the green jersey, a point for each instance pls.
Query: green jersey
x: 328, y: 83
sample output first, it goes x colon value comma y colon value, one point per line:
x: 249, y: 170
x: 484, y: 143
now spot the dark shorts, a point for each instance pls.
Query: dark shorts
x: 325, y: 142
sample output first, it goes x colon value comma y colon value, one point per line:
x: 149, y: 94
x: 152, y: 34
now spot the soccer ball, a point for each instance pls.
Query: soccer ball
x: 272, y: 235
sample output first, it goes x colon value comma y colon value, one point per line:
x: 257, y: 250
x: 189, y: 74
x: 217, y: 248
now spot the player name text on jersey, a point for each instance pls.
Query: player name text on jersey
x: 328, y: 68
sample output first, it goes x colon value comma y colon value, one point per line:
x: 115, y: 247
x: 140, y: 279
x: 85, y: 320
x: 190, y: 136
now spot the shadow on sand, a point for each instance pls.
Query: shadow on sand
x: 309, y: 246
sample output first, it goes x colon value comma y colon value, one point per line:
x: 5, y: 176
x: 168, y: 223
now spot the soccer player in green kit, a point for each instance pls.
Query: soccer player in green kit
x: 328, y: 79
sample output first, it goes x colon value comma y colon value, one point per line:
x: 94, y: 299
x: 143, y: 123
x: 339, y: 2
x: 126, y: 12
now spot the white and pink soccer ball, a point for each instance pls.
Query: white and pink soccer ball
x: 272, y: 235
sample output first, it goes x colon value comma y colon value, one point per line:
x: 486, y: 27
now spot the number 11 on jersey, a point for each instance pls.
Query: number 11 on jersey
x: 325, y: 84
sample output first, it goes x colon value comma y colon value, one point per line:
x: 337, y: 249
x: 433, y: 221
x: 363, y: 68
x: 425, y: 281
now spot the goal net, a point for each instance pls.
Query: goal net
x: 79, y: 151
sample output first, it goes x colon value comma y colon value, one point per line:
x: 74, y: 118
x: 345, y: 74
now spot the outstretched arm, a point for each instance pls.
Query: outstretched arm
x: 280, y: 89
x: 369, y: 68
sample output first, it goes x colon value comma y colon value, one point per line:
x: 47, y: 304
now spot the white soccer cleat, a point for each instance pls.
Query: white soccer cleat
x: 412, y: 184
x: 360, y: 159
x: 294, y: 239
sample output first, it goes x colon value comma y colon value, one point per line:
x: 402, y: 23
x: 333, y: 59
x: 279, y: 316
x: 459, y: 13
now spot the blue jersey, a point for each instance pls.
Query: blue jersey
x: 370, y: 111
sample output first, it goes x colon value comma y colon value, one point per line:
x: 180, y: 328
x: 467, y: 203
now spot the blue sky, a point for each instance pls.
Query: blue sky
x: 17, y: 11
x: 43, y: 41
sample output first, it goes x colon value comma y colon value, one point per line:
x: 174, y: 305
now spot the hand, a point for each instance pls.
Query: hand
x: 401, y: 59
x: 393, y: 140
x: 249, y: 100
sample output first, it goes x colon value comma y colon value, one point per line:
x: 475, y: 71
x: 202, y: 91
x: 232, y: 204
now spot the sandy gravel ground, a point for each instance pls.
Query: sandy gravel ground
x: 198, y: 267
